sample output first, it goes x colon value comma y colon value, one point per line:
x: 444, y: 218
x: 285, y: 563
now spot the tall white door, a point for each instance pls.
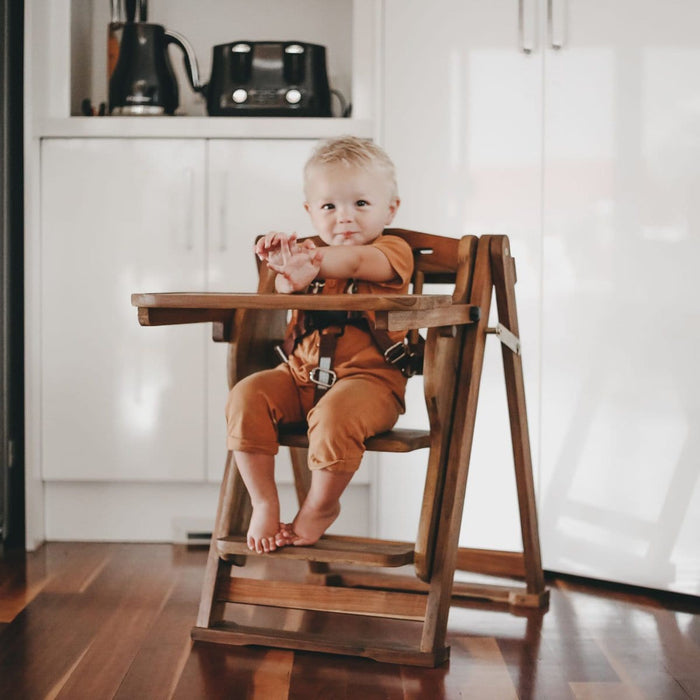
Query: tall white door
x: 120, y: 402
x: 463, y: 122
x: 620, y: 495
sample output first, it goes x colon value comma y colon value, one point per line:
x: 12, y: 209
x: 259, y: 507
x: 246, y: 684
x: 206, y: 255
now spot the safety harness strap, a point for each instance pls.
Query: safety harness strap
x: 331, y: 325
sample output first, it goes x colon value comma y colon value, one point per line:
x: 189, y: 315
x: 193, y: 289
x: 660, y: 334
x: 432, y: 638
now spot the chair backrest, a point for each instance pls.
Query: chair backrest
x: 438, y: 260
x: 436, y: 257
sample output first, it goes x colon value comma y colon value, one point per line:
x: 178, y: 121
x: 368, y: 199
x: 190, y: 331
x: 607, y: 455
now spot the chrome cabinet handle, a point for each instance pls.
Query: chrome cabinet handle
x: 555, y: 42
x: 189, y: 209
x: 523, y: 45
x: 223, y: 212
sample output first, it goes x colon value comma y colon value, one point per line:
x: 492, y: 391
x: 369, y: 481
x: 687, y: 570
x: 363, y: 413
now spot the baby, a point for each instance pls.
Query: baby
x: 346, y: 394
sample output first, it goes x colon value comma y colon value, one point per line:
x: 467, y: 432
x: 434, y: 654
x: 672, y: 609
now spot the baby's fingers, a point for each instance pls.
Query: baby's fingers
x: 286, y: 252
x: 268, y: 241
x: 262, y: 246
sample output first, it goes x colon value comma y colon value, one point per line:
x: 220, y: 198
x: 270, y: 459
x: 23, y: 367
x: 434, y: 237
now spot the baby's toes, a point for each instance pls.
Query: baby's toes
x: 284, y: 536
x: 282, y: 540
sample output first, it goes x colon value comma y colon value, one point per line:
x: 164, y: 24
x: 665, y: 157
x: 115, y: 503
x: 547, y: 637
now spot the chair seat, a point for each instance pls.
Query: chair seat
x: 332, y: 549
x: 396, y: 440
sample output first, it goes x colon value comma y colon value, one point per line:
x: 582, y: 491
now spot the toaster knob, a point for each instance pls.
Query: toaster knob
x: 293, y: 96
x: 239, y: 96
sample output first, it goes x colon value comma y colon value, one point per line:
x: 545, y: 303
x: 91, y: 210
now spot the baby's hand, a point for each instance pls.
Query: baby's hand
x: 300, y: 266
x: 276, y: 247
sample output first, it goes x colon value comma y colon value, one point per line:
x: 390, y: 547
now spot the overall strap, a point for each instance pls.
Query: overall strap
x: 297, y: 330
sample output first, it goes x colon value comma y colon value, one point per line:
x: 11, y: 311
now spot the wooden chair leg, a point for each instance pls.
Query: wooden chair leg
x: 462, y: 432
x: 504, y: 280
x: 232, y: 516
x: 302, y: 475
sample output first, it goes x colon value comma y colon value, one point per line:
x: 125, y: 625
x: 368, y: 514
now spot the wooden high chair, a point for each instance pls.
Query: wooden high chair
x: 453, y: 357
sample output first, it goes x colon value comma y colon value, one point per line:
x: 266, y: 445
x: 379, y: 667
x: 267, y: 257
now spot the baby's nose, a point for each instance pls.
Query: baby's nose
x: 344, y: 214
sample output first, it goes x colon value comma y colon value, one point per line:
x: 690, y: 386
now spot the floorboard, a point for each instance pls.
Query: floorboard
x: 88, y: 620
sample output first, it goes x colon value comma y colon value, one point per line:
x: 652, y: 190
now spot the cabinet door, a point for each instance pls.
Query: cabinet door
x: 255, y: 186
x: 120, y: 401
x: 621, y: 493
x: 462, y: 121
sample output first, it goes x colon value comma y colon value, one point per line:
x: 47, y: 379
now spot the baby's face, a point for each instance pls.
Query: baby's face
x: 349, y: 205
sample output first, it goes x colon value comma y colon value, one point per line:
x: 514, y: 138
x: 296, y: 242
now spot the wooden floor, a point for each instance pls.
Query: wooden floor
x: 113, y: 620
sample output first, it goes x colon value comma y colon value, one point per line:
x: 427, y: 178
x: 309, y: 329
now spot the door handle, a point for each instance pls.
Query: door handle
x: 556, y: 24
x: 526, y: 45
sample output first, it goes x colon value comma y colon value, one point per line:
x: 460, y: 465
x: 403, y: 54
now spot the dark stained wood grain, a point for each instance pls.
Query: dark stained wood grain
x: 231, y: 301
x: 396, y: 440
x: 337, y: 549
x: 395, y: 312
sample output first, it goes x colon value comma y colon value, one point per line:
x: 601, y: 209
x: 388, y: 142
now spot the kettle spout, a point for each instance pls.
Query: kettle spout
x: 191, y: 66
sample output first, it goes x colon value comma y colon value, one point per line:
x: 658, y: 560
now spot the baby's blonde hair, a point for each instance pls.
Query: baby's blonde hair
x: 354, y: 152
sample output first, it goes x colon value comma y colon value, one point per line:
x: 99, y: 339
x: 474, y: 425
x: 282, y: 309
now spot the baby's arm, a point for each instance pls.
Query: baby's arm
x: 363, y: 262
x: 298, y: 264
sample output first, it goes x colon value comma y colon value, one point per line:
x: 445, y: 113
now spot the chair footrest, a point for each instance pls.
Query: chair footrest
x: 396, y: 440
x: 331, y: 549
x: 242, y: 636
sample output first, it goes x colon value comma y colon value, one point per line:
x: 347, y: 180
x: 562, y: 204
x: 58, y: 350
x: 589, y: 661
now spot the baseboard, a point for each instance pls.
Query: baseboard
x: 167, y: 512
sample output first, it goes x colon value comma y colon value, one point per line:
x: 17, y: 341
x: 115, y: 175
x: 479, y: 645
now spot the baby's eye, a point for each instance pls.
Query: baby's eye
x: 328, y: 206
x: 362, y: 203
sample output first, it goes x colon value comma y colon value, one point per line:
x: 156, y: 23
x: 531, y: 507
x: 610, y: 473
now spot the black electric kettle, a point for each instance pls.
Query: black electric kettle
x: 143, y: 82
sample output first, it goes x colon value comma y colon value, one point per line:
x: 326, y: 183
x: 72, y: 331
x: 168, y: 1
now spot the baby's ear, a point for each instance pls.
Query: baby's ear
x: 393, y: 208
x: 307, y: 206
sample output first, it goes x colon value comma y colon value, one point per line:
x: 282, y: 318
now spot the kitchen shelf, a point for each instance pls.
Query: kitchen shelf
x: 202, y: 127
x: 66, y: 60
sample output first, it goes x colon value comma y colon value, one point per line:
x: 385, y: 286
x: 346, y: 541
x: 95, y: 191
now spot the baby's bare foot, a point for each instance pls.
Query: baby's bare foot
x: 311, y: 522
x: 264, y: 525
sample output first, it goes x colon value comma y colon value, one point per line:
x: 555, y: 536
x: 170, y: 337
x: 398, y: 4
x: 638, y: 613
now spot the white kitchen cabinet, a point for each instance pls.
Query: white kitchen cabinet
x: 463, y: 127
x: 583, y: 151
x: 119, y: 402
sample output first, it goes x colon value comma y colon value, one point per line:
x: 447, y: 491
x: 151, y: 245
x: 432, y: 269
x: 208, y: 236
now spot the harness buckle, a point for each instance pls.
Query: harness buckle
x: 395, y: 353
x: 315, y: 378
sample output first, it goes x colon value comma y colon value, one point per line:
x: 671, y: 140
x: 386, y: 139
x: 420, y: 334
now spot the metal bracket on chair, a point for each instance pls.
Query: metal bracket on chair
x: 509, y: 339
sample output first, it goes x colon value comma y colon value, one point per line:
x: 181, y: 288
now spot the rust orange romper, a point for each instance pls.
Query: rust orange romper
x: 366, y: 399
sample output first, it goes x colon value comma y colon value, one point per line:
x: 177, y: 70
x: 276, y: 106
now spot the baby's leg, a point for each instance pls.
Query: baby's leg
x: 319, y: 510
x: 256, y: 404
x: 354, y: 409
x: 258, y: 473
